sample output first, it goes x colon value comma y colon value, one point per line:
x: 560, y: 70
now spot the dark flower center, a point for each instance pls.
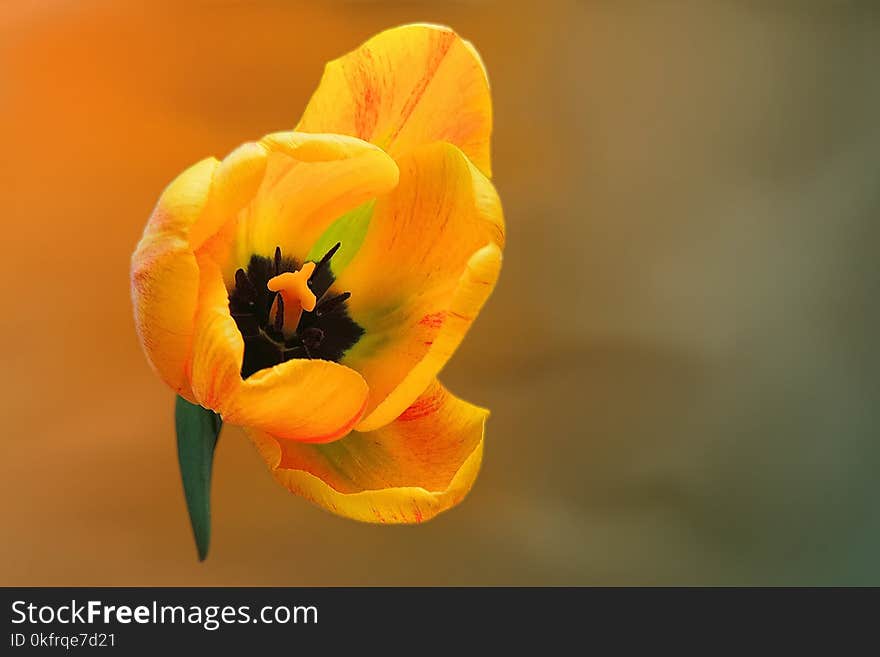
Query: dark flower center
x: 326, y: 332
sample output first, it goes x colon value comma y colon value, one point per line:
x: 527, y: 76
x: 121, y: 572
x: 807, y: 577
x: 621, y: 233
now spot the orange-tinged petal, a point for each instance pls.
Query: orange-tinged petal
x: 408, y: 471
x: 311, y: 401
x: 308, y: 181
x: 430, y: 259
x: 183, y: 203
x: 428, y: 347
x: 218, y: 347
x: 236, y: 180
x: 407, y: 86
x: 165, y: 276
x: 303, y: 400
x: 165, y: 273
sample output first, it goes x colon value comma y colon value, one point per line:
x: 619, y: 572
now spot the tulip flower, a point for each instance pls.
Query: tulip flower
x: 311, y: 285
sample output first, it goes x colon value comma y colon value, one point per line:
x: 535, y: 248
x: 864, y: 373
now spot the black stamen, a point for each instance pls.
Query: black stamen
x: 326, y: 306
x: 312, y: 337
x: 244, y: 286
x: 325, y: 333
x: 323, y: 261
x: 279, y: 312
x: 322, y: 276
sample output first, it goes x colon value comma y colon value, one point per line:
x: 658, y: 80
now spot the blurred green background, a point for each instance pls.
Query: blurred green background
x: 680, y: 357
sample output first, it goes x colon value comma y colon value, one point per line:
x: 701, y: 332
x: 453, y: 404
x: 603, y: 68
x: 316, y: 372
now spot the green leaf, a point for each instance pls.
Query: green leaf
x: 197, y: 431
x: 349, y: 230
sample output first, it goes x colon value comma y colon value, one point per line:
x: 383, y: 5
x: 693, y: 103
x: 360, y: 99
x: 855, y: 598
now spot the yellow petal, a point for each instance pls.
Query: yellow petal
x: 236, y: 180
x: 408, y: 471
x: 165, y: 276
x: 427, y: 347
x: 430, y: 259
x: 164, y: 272
x: 407, y: 86
x: 308, y: 181
x: 305, y: 400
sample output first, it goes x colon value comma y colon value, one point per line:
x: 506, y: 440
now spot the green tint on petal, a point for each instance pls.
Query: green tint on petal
x: 349, y: 230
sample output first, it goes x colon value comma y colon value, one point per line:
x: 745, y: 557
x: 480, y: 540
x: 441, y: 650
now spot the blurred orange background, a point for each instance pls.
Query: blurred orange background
x: 680, y: 357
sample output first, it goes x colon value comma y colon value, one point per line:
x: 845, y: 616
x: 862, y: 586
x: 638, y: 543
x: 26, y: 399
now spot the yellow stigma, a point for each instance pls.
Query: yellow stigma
x: 294, y: 289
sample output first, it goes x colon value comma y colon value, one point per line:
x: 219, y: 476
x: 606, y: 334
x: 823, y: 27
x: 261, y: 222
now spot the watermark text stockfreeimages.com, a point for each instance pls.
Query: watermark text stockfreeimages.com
x: 210, y: 617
